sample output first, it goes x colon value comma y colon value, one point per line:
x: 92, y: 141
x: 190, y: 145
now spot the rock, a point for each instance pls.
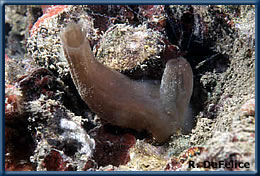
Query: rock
x: 56, y: 128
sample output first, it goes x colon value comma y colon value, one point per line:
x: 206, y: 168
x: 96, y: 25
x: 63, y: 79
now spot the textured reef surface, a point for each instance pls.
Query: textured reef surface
x: 50, y: 126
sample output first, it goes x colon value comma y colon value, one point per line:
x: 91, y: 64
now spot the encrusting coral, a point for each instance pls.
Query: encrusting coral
x: 160, y: 109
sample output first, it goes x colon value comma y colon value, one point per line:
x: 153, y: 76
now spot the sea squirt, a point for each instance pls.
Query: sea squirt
x: 118, y: 100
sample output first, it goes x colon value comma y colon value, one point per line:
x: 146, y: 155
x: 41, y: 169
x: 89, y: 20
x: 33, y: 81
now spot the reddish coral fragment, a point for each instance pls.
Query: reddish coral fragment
x: 54, y: 10
x: 90, y: 164
x: 54, y: 162
x: 112, y: 148
x: 6, y: 58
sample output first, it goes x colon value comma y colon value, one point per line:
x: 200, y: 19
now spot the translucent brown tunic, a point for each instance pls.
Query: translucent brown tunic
x: 116, y: 99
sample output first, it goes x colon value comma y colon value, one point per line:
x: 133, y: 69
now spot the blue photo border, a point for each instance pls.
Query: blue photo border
x: 177, y: 2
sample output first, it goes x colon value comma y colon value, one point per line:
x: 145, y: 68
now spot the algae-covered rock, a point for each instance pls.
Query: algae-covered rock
x: 131, y: 49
